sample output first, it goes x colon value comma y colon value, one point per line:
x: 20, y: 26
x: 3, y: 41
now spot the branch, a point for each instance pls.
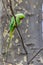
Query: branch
x: 17, y: 28
x: 12, y: 9
x: 21, y: 40
x: 35, y: 55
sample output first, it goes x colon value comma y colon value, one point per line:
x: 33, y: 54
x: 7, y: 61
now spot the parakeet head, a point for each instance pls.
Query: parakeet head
x: 20, y: 16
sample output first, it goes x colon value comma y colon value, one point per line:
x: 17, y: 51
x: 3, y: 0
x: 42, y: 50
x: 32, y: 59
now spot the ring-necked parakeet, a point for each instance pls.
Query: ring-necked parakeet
x: 12, y: 25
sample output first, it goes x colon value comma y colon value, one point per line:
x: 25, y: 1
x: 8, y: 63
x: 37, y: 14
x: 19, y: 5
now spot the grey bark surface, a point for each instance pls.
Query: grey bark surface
x: 1, y: 6
x: 30, y: 31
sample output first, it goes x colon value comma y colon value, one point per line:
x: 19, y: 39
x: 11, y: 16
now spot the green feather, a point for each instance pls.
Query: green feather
x: 12, y: 24
x: 18, y: 21
x: 20, y: 15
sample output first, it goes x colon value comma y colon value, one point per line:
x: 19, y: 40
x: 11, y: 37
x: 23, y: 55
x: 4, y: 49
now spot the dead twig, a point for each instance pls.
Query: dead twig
x: 35, y: 55
x: 17, y: 28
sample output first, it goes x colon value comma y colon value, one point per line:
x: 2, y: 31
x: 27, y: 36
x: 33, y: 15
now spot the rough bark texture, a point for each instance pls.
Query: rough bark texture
x: 30, y: 31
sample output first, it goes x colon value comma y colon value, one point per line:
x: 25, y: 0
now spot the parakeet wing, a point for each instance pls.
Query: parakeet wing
x: 18, y: 21
x: 12, y: 24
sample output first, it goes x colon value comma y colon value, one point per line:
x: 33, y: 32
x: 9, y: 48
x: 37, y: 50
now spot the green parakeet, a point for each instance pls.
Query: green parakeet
x: 12, y: 25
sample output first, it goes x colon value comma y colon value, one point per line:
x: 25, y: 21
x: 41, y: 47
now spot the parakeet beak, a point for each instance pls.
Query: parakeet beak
x: 21, y: 18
